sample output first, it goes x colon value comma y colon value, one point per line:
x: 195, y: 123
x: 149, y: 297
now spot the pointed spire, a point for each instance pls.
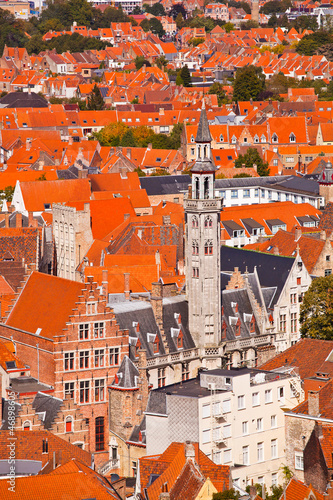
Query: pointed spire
x: 203, y: 133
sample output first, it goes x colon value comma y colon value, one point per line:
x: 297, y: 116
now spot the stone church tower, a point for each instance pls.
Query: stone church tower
x: 202, y: 218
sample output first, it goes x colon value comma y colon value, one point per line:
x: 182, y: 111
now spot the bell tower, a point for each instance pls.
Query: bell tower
x: 202, y: 244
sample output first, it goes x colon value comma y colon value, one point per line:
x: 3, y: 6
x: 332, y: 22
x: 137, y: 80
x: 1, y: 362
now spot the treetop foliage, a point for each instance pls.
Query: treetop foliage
x: 316, y: 314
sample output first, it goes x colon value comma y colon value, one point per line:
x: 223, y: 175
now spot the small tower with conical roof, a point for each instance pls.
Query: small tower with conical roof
x: 202, y: 250
x: 326, y: 183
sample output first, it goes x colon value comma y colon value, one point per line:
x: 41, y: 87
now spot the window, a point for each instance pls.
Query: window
x: 205, y: 436
x: 328, y: 258
x: 226, y: 406
x: 283, y: 322
x: 227, y: 431
x: 273, y: 421
x: 290, y: 159
x: 69, y: 424
x: 268, y: 396
x: 280, y: 393
x: 69, y: 361
x: 246, y: 193
x: 185, y: 371
x: 114, y: 356
x: 84, y: 331
x: 245, y: 452
x: 84, y: 359
x: 328, y: 272
x: 99, y: 358
x: 293, y: 320
x: 292, y: 138
x: 45, y: 446
x: 98, y: 330
x: 91, y: 308
x: 293, y: 298
x: 255, y: 399
x: 99, y: 390
x: 208, y: 222
x: 99, y: 433
x: 209, y: 247
x: 27, y: 425
x: 275, y: 163
x: 260, y: 425
x: 245, y: 428
x: 195, y: 272
x: 299, y: 281
x: 299, y: 461
x: 194, y: 222
x: 274, y: 479
x: 256, y: 193
x: 274, y: 452
x: 161, y: 377
x: 234, y: 193
x: 263, y: 193
x: 241, y: 402
x: 206, y: 411
x: 275, y: 138
x: 134, y: 467
x: 195, y: 248
x: 69, y: 389
x: 226, y: 456
x: 260, y: 452
x: 84, y: 391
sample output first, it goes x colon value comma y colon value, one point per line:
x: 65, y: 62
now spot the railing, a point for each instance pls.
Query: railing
x: 243, y: 343
x: 109, y: 465
x: 173, y: 357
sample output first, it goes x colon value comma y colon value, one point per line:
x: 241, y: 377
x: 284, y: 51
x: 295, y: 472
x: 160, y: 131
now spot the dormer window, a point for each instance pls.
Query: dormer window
x: 156, y: 345
x: 224, y: 330
x: 192, y: 138
x: 233, y: 140
x: 292, y: 138
x: 253, y: 325
x: 221, y: 138
x: 263, y: 138
x: 237, y: 328
x: 275, y: 138
x: 180, y: 341
x: 137, y: 347
x: 256, y: 139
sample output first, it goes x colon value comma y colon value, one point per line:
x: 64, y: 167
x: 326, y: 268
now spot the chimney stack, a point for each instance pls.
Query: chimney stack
x: 127, y: 290
x: 298, y: 233
x: 105, y: 283
x: 313, y: 403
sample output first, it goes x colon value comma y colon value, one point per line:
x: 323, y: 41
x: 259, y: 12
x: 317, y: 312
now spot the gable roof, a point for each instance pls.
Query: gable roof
x: 44, y: 293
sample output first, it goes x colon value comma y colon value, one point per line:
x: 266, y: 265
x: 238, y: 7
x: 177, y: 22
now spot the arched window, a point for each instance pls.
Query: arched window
x: 69, y: 424
x: 209, y: 247
x: 208, y: 222
x: 194, y: 221
x: 206, y: 188
x: 197, y: 189
x: 27, y: 425
x: 195, y: 248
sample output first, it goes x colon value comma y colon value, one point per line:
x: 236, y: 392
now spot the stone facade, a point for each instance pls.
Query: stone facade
x: 72, y: 236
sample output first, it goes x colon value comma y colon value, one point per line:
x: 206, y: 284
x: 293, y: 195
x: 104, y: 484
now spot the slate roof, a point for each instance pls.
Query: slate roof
x: 272, y: 270
x: 165, y: 184
x: 127, y: 375
x: 138, y: 435
x: 48, y: 404
x: 23, y: 100
x: 131, y: 313
x: 203, y: 133
x: 243, y: 316
x: 171, y: 307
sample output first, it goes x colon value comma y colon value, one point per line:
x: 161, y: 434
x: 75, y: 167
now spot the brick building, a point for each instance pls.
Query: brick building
x: 71, y: 342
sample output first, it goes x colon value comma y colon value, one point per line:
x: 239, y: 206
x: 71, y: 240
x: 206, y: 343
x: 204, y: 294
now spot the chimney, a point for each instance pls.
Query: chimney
x: 127, y: 290
x: 82, y: 174
x: 150, y: 146
x: 30, y: 219
x: 166, y: 220
x: 161, y: 111
x: 156, y: 302
x: 255, y: 167
x: 105, y: 283
x: 189, y: 451
x: 323, y: 235
x: 128, y: 153
x: 6, y: 223
x: 313, y: 403
x: 298, y: 233
x: 70, y: 141
x: 18, y: 219
x: 276, y: 251
x: 126, y: 216
x: 28, y: 144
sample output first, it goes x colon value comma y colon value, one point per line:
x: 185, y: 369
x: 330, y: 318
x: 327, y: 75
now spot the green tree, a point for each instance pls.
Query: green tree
x: 161, y: 62
x: 186, y: 76
x: 180, y: 23
x: 145, y: 25
x: 139, y: 172
x: 241, y: 176
x: 11, y: 31
x: 248, y: 25
x: 156, y: 27
x: 112, y: 134
x: 316, y: 314
x: 226, y: 495
x: 248, y: 84
x: 95, y: 99
x: 250, y: 158
x: 156, y: 10
x: 140, y: 61
x: 195, y: 41
x: 7, y: 193
x: 217, y: 88
x: 179, y: 80
x: 310, y: 43
x: 229, y: 27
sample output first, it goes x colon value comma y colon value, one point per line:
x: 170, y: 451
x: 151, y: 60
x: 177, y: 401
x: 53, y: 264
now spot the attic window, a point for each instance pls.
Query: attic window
x: 180, y: 341
x: 10, y: 365
x: 74, y: 122
x: 158, y: 159
x: 292, y: 138
x: 47, y: 206
x: 156, y: 345
x: 221, y: 138
x: 218, y: 158
x: 229, y: 157
x: 94, y: 121
x: 30, y: 157
x: 137, y: 119
x: 275, y: 138
x: 84, y: 121
x: 24, y: 124
x: 157, y: 120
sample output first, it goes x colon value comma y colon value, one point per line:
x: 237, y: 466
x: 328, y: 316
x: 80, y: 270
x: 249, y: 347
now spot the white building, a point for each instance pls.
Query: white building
x: 236, y: 416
